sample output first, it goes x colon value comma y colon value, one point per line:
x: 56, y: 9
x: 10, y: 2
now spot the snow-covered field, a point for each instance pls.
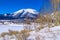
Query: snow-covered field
x: 46, y: 33
x: 16, y: 27
x: 5, y: 28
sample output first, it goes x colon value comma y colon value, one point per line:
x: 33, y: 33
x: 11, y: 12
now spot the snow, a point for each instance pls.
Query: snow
x: 5, y: 14
x: 26, y: 10
x: 1, y: 38
x: 18, y: 27
x: 23, y: 12
x: 46, y: 34
x: 19, y: 11
x: 31, y: 11
x: 5, y: 28
x: 56, y: 28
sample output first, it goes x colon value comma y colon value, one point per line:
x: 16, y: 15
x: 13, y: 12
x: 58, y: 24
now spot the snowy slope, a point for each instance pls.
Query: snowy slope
x: 26, y: 13
x: 45, y: 34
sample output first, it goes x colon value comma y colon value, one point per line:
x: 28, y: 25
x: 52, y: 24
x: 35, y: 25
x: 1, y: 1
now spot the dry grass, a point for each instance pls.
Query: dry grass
x: 22, y: 35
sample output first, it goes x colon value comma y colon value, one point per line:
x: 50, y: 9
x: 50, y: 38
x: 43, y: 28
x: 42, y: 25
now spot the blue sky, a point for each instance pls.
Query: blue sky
x: 9, y: 6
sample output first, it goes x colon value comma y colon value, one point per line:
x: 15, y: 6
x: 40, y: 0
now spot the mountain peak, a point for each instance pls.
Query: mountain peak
x: 33, y: 11
x: 25, y: 13
x: 21, y: 14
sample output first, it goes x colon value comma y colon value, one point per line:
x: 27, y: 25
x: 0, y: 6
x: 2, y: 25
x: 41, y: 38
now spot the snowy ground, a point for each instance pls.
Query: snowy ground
x: 46, y: 34
x: 5, y: 28
x: 18, y: 27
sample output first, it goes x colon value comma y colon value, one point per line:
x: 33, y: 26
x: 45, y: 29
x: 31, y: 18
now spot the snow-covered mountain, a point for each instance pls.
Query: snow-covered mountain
x: 20, y: 14
x: 23, y: 13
